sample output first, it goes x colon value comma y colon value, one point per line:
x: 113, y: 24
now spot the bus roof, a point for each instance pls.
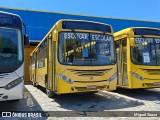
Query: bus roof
x: 127, y: 30
x: 2, y: 12
x: 84, y: 21
x: 9, y: 22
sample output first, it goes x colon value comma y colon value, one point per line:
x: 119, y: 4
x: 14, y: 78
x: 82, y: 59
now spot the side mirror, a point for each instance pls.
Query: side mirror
x: 26, y: 40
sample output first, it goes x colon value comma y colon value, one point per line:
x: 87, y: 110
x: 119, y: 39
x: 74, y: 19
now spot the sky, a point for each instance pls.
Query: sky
x: 125, y: 9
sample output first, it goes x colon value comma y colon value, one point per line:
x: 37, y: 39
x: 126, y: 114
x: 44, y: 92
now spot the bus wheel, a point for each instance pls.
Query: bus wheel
x: 16, y: 100
x: 49, y: 93
x: 34, y: 84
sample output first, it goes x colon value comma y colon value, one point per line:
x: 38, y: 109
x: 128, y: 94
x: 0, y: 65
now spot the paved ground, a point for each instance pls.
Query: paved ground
x: 35, y: 99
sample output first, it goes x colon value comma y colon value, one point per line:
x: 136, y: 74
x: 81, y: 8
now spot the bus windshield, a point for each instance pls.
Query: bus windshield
x: 10, y: 49
x: 146, y: 51
x: 85, y: 49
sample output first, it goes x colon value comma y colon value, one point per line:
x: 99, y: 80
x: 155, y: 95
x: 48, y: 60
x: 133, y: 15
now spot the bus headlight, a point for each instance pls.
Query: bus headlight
x: 112, y: 77
x: 137, y: 76
x: 13, y: 83
x: 66, y: 79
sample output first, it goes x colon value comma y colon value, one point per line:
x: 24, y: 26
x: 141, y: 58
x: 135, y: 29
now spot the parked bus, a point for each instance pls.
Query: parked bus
x: 138, y: 57
x: 11, y: 57
x: 75, y: 56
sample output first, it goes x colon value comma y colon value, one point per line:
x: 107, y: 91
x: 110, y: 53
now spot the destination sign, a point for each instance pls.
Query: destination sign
x: 100, y: 37
x: 141, y: 40
x: 85, y: 36
x: 86, y: 26
x: 80, y: 36
x: 148, y: 40
x: 157, y: 40
x: 8, y: 20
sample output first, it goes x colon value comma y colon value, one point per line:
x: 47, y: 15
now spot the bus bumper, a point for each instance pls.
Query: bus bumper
x: 86, y: 87
x: 12, y: 94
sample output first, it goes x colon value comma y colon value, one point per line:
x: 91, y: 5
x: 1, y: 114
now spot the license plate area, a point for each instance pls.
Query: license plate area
x: 91, y: 87
x: 156, y: 83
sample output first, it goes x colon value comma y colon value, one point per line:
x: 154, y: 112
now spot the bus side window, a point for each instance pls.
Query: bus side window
x: 45, y: 48
x: 117, y: 47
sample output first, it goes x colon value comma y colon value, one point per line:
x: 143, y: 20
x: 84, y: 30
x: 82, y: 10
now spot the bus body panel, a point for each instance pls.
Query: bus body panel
x: 83, y: 82
x: 151, y: 75
x: 40, y: 74
x: 15, y: 92
x: 7, y: 78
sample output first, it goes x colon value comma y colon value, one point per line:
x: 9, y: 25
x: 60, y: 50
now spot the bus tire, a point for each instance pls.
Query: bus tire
x: 34, y: 84
x: 16, y: 100
x: 49, y: 93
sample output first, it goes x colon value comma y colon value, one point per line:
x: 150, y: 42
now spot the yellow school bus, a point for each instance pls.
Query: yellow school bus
x: 75, y: 56
x: 138, y: 57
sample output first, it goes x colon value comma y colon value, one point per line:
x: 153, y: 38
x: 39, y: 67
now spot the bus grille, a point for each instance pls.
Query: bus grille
x: 90, y: 72
x: 85, y: 88
x: 90, y: 81
x: 152, y: 72
x: 152, y: 85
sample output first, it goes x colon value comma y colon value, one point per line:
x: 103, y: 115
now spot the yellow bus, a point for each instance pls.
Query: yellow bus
x: 138, y: 57
x: 75, y: 56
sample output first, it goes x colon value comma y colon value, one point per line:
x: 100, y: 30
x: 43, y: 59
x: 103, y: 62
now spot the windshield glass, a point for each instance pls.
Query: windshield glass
x: 10, y: 49
x: 146, y: 51
x: 86, y: 49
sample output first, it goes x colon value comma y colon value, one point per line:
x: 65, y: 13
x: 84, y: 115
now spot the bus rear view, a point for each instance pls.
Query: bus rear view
x: 11, y: 57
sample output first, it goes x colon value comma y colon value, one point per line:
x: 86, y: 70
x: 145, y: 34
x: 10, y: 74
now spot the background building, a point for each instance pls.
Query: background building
x: 38, y: 23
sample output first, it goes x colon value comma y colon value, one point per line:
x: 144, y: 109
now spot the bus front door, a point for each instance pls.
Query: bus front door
x: 124, y: 64
x: 34, y: 76
x: 119, y: 62
x: 51, y: 64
